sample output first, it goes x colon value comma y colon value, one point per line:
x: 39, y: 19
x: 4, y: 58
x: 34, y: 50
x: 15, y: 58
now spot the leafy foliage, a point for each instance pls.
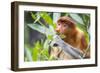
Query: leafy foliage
x: 43, y: 23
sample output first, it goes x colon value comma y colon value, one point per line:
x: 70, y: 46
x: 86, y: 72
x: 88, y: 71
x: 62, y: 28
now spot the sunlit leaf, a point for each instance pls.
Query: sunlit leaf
x: 33, y: 15
x: 28, y: 54
x: 77, y: 18
x: 36, y: 51
x: 45, y: 53
x: 47, y: 19
x: 46, y: 44
x: 51, y: 29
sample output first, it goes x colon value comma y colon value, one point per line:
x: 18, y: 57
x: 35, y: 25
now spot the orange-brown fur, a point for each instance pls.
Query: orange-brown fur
x: 73, y: 35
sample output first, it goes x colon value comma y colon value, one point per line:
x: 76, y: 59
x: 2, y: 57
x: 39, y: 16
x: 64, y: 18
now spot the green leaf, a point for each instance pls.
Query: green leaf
x: 46, y: 45
x: 36, y: 51
x: 67, y: 14
x: 82, y: 27
x: 51, y: 30
x: 77, y: 18
x: 86, y: 19
x: 51, y: 58
x: 37, y: 19
x: 47, y: 19
x: 33, y: 15
x: 28, y: 54
x: 42, y: 29
x: 87, y: 36
x: 45, y: 53
x: 50, y: 37
x: 38, y: 28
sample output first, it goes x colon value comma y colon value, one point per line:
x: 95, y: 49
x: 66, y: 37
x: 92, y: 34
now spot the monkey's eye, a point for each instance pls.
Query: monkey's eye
x: 58, y: 24
x: 65, y: 25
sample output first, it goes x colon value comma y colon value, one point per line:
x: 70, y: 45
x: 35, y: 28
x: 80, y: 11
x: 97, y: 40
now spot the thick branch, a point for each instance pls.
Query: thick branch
x: 74, y: 52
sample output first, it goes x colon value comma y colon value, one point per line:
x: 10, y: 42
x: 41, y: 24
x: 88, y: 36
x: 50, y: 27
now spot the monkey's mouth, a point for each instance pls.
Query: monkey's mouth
x: 62, y: 36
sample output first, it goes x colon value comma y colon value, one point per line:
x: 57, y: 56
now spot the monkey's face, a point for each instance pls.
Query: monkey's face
x: 65, y: 25
x: 63, y: 28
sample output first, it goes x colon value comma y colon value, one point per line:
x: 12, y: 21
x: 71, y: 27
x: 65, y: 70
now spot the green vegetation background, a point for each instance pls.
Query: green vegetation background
x: 39, y: 29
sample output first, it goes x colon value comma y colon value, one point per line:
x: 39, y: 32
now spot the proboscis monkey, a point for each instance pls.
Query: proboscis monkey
x: 73, y: 35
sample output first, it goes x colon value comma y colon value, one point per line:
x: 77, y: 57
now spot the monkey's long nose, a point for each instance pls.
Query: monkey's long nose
x: 58, y: 29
